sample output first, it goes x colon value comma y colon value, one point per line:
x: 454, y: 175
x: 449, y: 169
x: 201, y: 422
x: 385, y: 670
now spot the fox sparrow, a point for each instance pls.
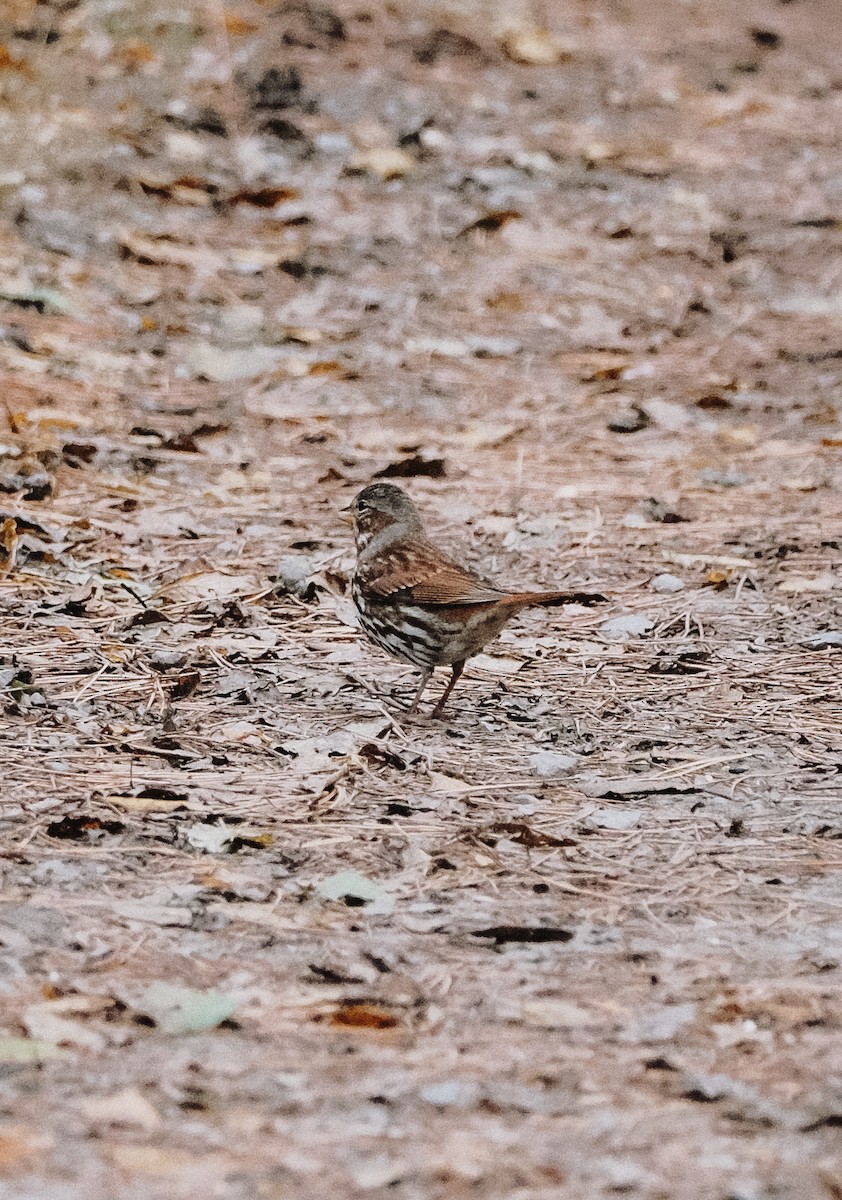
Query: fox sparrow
x: 416, y: 603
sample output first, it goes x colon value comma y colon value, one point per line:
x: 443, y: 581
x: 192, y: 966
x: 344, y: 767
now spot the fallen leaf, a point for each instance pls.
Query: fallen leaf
x: 152, y: 913
x: 9, y: 62
x: 523, y: 934
x: 443, y: 43
x: 797, y: 584
x: 43, y: 300
x: 351, y: 885
x: 17, y: 1142
x: 207, y: 585
x: 633, y: 785
x: 488, y: 435
x: 27, y: 1050
x: 153, y: 1160
x: 410, y: 468
x: 447, y: 1093
x: 225, y: 839
x: 9, y: 541
x: 219, y: 365
x: 385, y: 162
x: 45, y: 1025
x: 491, y: 222
x: 535, y: 47
x: 264, y: 197
x: 238, y: 26
x: 126, y: 1107
x: 619, y: 819
x: 443, y: 347
x: 82, y: 828
x: 712, y: 478
x: 363, y: 1016
x: 667, y: 584
x: 143, y: 803
x: 661, y: 1023
x: 593, y: 366
x: 718, y: 576
x: 819, y: 641
x: 549, y: 763
x: 80, y: 1003
x: 712, y: 560
x: 176, y: 1009
x: 619, y: 629
x: 630, y: 419
x: 165, y: 251
x: 448, y: 784
x: 550, y: 1013
x: 497, y: 664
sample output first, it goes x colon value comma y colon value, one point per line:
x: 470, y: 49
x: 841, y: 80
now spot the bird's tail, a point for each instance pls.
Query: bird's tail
x: 555, y: 599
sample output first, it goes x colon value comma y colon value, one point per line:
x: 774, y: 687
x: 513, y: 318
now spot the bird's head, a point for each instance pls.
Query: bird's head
x: 382, y: 506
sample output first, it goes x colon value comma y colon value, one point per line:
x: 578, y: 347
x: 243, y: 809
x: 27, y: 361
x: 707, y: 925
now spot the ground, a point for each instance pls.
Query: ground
x: 570, y: 272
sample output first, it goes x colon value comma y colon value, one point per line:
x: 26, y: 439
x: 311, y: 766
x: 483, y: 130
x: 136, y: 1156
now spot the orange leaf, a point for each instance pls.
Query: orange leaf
x: 363, y: 1016
x: 237, y: 25
x: 136, y: 53
x: 718, y: 577
x: 8, y: 62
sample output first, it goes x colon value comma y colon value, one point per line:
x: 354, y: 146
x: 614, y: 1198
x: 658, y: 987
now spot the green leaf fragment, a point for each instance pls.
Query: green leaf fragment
x: 177, y: 1009
x: 26, y: 1050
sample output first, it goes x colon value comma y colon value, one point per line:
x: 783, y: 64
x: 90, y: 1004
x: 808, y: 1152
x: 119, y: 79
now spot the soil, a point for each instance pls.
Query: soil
x: 569, y: 273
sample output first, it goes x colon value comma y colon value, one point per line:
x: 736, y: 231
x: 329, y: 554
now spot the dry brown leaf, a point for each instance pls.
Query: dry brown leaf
x: 237, y: 26
x: 718, y: 576
x: 10, y: 62
x: 9, y: 540
x: 136, y: 53
x: 594, y: 366
x: 363, y: 1016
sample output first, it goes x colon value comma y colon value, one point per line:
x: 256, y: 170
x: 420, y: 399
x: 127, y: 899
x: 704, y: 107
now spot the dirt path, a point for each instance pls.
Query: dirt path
x: 583, y: 938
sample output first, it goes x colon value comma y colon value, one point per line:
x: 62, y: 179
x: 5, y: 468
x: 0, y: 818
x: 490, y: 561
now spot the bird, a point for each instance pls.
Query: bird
x: 420, y: 605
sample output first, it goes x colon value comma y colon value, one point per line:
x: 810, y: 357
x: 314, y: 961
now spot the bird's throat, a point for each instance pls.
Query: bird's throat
x: 372, y: 526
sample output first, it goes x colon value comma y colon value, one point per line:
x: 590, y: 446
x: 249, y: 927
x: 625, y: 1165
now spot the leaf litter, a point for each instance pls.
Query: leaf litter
x: 570, y: 278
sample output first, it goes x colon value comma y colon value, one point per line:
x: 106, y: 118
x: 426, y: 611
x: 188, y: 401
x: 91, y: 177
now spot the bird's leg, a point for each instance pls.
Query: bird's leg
x: 425, y: 679
x: 457, y: 669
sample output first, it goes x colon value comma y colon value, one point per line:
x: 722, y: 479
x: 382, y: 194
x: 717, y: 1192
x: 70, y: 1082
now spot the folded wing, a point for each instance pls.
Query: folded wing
x: 421, y: 573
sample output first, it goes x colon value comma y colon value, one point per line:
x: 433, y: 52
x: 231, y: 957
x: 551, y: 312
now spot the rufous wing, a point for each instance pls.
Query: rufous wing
x: 423, y: 574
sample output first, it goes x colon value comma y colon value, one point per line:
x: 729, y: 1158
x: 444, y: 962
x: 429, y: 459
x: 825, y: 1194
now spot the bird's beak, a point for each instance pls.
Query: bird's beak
x: 345, y: 515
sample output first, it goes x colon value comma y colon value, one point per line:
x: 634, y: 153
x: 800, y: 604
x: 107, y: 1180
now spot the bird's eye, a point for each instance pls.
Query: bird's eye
x: 362, y: 505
